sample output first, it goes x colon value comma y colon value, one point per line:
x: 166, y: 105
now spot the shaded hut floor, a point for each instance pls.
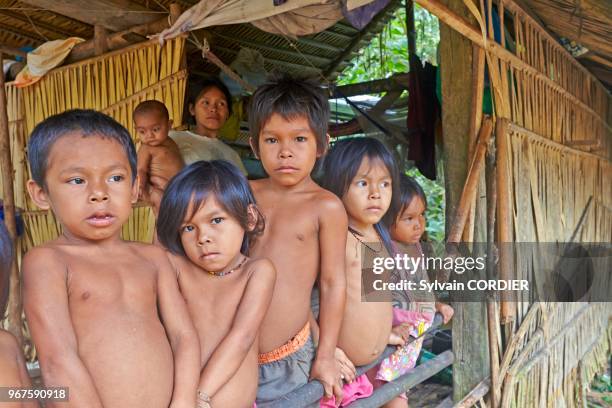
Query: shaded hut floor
x: 428, y: 394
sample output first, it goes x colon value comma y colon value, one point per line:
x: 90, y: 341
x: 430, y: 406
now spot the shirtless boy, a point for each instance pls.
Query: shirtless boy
x: 13, y: 372
x: 159, y: 158
x: 305, y: 238
x: 92, y: 300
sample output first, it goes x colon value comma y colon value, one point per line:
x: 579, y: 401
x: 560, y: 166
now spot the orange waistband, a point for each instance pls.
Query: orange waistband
x: 290, y: 347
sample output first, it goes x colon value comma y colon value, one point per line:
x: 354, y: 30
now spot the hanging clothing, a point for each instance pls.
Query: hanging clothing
x: 423, y: 113
x: 360, y: 16
x: 44, y: 58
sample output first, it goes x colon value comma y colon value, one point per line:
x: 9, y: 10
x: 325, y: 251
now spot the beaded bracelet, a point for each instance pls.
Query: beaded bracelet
x: 203, y: 399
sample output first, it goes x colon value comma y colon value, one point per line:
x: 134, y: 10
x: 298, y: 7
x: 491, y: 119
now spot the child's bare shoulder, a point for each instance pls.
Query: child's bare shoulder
x: 261, y: 268
x: 151, y: 252
x: 327, y: 201
x: 49, y: 256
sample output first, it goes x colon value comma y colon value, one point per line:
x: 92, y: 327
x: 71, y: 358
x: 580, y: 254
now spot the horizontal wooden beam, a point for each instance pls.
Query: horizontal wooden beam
x: 37, y: 23
x: 315, y: 59
x: 114, y: 15
x: 15, y: 52
x: 466, y: 29
x: 117, y: 41
x: 395, y: 82
x: 30, y: 40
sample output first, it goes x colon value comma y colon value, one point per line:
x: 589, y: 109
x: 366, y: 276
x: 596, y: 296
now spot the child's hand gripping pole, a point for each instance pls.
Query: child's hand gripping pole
x: 313, y: 390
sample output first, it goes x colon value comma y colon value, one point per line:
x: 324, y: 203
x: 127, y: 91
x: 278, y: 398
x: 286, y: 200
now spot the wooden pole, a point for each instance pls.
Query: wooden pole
x: 118, y: 40
x: 471, y: 182
x: 492, y: 320
x: 504, y: 220
x: 417, y: 375
x: 100, y: 40
x: 410, y: 30
x: 12, y: 51
x: 478, y: 67
x: 475, y: 395
x: 6, y: 169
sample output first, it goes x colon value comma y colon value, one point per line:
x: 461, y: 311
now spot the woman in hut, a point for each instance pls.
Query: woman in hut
x: 209, y: 103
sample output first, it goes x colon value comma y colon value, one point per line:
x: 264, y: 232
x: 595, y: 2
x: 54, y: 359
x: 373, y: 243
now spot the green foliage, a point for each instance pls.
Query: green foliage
x: 387, y: 53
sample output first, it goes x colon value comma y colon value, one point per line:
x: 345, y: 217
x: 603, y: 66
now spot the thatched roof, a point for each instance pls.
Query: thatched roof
x: 29, y: 22
x: 588, y: 23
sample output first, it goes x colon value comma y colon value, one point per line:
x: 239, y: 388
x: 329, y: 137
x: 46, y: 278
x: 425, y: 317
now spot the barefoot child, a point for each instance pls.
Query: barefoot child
x: 159, y: 158
x: 305, y: 237
x: 13, y: 372
x: 362, y: 172
x: 208, y: 220
x: 93, y: 301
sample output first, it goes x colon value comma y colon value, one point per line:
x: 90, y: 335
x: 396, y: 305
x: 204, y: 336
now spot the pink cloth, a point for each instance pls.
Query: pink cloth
x: 405, y: 358
x: 360, y: 388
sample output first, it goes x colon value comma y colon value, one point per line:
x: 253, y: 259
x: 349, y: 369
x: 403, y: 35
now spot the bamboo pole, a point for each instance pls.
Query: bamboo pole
x: 12, y: 51
x: 410, y: 31
x: 504, y: 220
x: 478, y: 74
x: 6, y: 169
x: 122, y: 39
x: 493, y: 325
x: 475, y: 395
x: 100, y: 40
x: 471, y: 182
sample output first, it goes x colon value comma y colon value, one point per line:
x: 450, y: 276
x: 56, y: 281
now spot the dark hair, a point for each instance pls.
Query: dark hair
x: 197, y: 182
x: 6, y: 258
x: 197, y: 86
x: 408, y: 189
x: 290, y: 98
x: 151, y: 106
x: 341, y: 164
x: 89, y: 123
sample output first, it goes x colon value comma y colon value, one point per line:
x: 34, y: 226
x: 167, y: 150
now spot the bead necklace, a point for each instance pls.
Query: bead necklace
x: 357, y: 236
x: 219, y: 274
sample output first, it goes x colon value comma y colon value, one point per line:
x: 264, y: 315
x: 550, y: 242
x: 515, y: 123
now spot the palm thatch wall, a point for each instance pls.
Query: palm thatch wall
x: 553, y: 148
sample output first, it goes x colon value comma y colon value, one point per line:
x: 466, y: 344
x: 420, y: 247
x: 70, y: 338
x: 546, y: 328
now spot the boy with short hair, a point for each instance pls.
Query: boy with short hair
x: 13, y: 372
x: 305, y: 238
x: 159, y: 158
x: 93, y: 301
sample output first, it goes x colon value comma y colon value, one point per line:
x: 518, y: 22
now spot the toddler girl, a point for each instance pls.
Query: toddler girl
x: 208, y: 220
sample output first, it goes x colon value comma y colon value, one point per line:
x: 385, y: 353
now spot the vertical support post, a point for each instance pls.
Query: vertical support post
x: 470, y: 343
x: 100, y: 43
x: 504, y: 222
x: 478, y: 68
x: 410, y: 30
x: 6, y: 169
x: 492, y: 318
x: 175, y: 12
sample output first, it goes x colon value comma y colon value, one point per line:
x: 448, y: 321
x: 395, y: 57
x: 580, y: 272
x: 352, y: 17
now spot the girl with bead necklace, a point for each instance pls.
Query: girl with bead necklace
x: 207, y: 221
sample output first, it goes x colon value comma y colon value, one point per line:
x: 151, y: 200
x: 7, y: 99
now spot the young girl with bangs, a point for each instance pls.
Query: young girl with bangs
x: 208, y: 220
x: 363, y: 174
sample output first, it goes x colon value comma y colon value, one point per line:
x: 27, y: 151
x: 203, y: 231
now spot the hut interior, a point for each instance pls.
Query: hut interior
x: 536, y: 169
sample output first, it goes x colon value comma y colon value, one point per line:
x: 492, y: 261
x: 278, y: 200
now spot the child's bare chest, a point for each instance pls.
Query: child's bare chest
x: 112, y: 282
x: 212, y: 302
x: 290, y: 224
